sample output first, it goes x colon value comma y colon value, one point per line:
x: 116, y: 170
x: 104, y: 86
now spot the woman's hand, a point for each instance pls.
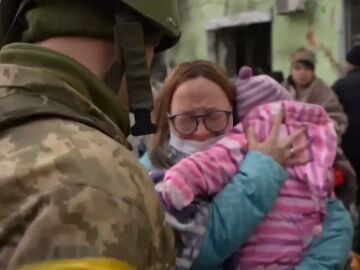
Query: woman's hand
x: 281, y: 150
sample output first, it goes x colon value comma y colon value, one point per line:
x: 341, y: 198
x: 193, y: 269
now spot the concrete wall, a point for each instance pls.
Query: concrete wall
x: 321, y: 29
x: 193, y: 44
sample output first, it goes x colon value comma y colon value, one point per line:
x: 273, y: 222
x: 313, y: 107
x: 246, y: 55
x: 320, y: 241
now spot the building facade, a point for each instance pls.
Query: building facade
x: 264, y: 33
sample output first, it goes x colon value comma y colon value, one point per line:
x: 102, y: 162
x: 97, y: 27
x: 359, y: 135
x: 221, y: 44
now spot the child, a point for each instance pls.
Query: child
x: 285, y: 235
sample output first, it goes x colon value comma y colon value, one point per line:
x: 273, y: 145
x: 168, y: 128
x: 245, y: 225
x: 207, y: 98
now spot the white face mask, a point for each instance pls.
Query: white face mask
x: 190, y: 146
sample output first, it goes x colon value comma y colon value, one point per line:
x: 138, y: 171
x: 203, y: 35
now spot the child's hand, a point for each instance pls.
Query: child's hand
x: 282, y: 150
x: 157, y: 176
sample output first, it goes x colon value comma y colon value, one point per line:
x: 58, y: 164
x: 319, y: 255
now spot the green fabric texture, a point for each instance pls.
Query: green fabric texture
x: 71, y: 72
x: 51, y: 18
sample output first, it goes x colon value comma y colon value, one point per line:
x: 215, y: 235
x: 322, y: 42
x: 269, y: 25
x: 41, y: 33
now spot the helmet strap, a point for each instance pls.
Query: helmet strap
x: 9, y: 36
x: 131, y: 61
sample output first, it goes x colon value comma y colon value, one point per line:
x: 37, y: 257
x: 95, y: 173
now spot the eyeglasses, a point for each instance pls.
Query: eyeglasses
x: 215, y: 121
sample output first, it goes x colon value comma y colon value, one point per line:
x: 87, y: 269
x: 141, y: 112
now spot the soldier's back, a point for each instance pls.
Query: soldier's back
x: 68, y: 190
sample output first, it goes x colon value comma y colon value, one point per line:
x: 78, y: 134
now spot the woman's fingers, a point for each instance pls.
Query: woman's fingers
x: 275, y: 131
x: 250, y: 134
x: 294, y: 138
x: 296, y: 156
x: 282, y: 151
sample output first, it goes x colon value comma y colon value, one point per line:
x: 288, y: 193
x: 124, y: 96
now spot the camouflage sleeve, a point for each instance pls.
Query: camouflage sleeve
x: 69, y: 191
x: 83, y: 221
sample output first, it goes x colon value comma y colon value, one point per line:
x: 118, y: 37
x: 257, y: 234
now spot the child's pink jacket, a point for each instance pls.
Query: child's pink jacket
x: 283, y: 237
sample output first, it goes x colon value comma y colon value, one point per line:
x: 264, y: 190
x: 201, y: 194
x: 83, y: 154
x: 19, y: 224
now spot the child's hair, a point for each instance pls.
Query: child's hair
x: 252, y: 91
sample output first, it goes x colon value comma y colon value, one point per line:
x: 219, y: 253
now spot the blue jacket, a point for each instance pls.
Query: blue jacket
x: 253, y: 193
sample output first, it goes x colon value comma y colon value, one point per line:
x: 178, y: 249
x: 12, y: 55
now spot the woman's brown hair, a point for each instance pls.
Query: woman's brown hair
x: 181, y: 74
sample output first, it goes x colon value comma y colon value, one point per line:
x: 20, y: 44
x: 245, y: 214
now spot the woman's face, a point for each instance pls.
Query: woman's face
x: 302, y: 75
x: 200, y: 96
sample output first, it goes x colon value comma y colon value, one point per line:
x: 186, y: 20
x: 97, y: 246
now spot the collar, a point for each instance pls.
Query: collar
x: 73, y: 73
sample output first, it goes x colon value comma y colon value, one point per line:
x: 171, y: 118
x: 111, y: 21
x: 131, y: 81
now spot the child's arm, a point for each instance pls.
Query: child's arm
x: 204, y: 173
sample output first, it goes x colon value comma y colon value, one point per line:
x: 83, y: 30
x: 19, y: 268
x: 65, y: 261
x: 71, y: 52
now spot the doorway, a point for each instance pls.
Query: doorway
x: 246, y: 42
x: 253, y: 47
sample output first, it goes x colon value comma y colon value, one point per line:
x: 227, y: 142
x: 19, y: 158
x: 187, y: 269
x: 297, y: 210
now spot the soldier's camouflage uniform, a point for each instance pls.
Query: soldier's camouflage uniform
x: 68, y: 186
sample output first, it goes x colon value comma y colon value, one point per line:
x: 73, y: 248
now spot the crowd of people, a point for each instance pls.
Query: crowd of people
x: 252, y: 174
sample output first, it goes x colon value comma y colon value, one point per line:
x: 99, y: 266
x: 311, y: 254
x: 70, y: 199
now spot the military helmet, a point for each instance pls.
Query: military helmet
x: 161, y: 13
x: 164, y: 14
x: 139, y: 18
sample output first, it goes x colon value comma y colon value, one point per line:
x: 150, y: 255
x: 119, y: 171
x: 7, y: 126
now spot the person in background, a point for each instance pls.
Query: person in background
x: 305, y: 86
x: 348, y: 91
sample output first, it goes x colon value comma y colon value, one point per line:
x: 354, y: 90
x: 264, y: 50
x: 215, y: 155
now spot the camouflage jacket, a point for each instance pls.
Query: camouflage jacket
x: 69, y: 188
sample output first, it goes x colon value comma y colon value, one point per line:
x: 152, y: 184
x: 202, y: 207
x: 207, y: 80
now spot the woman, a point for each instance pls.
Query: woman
x: 200, y: 90
x: 306, y: 87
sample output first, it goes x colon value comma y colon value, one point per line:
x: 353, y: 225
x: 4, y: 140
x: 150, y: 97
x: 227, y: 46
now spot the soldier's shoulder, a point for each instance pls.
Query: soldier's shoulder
x: 79, y: 154
x: 84, y: 167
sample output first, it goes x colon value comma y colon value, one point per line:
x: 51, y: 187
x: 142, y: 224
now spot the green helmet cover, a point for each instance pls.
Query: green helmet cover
x: 161, y: 15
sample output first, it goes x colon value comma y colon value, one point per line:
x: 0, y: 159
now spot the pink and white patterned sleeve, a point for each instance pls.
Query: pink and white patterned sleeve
x: 204, y: 173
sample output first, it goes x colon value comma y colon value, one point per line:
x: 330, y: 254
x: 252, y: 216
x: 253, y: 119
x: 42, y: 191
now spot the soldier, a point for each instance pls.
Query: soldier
x: 69, y: 187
